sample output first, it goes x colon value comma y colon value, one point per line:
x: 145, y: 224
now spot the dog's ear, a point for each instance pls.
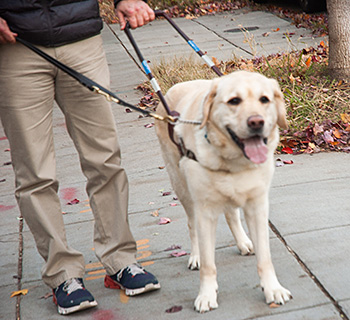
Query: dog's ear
x: 208, y: 102
x: 280, y: 106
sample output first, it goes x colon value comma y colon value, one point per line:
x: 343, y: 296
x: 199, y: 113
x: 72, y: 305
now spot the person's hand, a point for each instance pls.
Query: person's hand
x: 6, y: 36
x: 137, y: 12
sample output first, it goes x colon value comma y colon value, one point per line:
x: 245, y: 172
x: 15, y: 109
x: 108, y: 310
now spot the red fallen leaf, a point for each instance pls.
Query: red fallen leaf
x: 167, y: 193
x: 127, y: 110
x: 164, y: 220
x: 288, y: 161
x: 173, y: 204
x: 275, y: 30
x: 178, y: 253
x: 74, y: 201
x: 287, y: 150
x: 174, y: 309
x: 149, y: 125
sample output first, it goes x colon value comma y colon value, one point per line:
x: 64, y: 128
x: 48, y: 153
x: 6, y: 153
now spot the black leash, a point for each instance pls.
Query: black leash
x: 90, y: 84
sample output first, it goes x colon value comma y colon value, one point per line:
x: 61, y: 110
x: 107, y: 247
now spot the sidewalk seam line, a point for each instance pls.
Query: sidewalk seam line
x: 19, y: 267
x: 221, y: 37
x: 309, y: 272
x: 125, y: 48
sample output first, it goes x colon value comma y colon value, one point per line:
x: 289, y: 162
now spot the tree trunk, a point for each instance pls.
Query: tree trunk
x: 339, y: 38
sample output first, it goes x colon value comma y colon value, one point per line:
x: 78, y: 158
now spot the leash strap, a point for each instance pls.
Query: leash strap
x: 190, y: 42
x: 90, y: 84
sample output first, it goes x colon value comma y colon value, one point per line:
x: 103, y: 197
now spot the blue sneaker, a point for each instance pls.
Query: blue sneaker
x: 133, y: 279
x: 71, y: 296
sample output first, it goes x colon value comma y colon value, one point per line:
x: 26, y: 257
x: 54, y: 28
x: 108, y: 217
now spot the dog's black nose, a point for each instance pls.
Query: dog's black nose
x: 255, y: 122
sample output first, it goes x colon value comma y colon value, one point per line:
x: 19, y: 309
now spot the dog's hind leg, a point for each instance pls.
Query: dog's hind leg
x: 233, y: 219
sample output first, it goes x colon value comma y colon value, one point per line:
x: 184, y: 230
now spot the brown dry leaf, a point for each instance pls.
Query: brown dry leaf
x: 337, y: 133
x: 345, y: 117
x: 19, y: 292
x: 155, y: 213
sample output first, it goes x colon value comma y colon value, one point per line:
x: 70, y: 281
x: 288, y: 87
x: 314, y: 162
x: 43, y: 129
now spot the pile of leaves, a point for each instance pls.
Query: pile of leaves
x: 318, y: 23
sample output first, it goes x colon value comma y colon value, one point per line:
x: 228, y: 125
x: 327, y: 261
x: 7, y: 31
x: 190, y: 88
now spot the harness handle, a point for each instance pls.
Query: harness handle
x: 190, y: 42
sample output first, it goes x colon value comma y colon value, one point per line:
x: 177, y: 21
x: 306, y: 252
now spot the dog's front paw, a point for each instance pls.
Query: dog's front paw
x: 193, y: 262
x: 206, y: 302
x: 245, y: 247
x: 278, y: 295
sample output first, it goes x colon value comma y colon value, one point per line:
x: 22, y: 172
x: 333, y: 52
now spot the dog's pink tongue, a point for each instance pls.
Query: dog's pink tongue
x: 255, y: 149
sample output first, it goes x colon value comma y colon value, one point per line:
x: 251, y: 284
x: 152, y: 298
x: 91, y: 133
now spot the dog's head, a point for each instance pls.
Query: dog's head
x: 246, y: 107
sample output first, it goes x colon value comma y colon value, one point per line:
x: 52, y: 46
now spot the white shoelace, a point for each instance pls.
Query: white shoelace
x: 72, y: 285
x: 134, y: 269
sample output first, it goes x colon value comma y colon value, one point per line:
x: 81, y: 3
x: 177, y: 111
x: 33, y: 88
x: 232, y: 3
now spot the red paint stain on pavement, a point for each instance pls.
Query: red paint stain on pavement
x: 4, y: 208
x: 106, y: 315
x: 68, y: 193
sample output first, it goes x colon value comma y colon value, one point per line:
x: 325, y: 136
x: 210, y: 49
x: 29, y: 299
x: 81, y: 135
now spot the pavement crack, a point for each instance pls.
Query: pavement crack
x: 223, y: 38
x: 309, y: 272
x: 126, y: 49
x: 19, y: 267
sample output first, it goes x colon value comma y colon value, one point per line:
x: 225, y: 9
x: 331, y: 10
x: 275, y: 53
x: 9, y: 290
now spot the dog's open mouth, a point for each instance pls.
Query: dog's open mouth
x: 254, y: 148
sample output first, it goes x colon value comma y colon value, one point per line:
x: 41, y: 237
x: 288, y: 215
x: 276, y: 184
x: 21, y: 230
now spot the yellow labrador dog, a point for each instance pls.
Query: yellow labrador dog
x: 225, y: 163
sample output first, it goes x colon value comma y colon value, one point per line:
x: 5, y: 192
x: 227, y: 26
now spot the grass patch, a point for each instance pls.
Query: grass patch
x: 317, y: 106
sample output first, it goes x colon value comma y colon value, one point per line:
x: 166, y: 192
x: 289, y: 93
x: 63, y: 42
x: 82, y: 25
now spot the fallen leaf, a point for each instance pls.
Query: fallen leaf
x: 288, y: 161
x: 149, y: 125
x: 308, y: 62
x: 337, y: 134
x: 279, y: 163
x: 287, y: 150
x: 328, y: 137
x: 164, y: 220
x: 72, y: 202
x: 167, y: 193
x: 173, y: 247
x: 155, y: 213
x: 274, y: 305
x: 19, y: 292
x: 173, y: 204
x: 345, y: 117
x: 174, y: 309
x: 275, y: 30
x: 178, y: 253
x: 266, y: 34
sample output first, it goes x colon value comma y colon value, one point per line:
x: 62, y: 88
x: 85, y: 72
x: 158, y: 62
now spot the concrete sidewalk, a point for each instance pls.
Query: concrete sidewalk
x: 310, y: 202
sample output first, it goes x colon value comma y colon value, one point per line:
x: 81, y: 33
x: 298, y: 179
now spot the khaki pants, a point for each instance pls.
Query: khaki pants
x: 28, y: 87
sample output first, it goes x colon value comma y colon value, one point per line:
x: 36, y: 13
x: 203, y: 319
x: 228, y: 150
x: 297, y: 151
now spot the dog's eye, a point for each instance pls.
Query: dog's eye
x: 234, y: 101
x: 264, y: 99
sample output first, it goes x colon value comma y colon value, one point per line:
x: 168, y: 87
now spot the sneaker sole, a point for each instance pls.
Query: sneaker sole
x: 82, y: 306
x: 110, y: 283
